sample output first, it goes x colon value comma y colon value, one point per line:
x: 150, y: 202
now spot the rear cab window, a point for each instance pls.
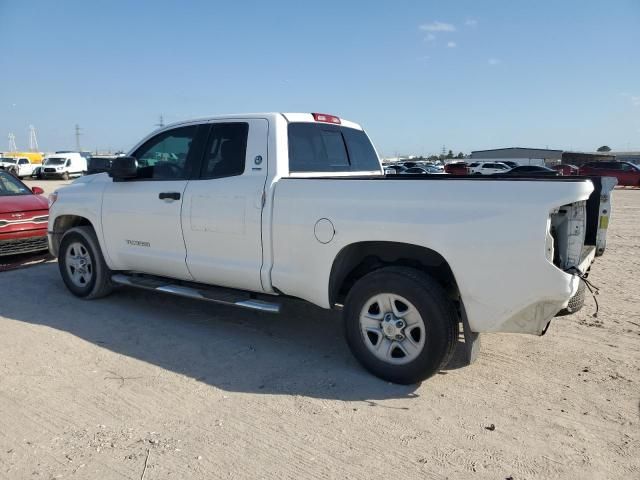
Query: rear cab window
x: 319, y: 147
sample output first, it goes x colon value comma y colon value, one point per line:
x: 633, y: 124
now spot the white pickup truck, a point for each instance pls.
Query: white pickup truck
x: 244, y: 209
x: 20, y: 167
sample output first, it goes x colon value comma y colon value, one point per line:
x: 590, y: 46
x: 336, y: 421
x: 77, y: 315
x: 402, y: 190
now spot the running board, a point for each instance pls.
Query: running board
x: 226, y: 296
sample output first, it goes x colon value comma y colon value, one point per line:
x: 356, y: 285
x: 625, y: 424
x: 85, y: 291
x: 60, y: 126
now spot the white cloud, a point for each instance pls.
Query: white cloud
x: 635, y: 100
x: 451, y: 44
x: 471, y: 22
x: 493, y: 61
x: 438, y: 27
x: 430, y: 37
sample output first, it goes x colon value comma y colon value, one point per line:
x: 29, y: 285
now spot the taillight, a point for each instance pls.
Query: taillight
x: 323, y: 117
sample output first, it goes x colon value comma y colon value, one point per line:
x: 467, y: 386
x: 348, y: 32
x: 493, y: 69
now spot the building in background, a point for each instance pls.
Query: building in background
x: 520, y: 155
x: 633, y: 157
x: 580, y: 158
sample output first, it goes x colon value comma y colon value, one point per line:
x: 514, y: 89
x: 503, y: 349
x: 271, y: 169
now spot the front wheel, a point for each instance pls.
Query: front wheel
x: 82, y: 265
x: 65, y: 176
x: 400, y: 324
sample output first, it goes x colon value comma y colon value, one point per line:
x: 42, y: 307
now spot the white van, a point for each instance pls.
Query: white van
x: 64, y: 165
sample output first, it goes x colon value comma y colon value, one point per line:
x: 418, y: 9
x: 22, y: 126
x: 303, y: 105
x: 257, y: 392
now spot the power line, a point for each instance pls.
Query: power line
x: 78, y: 129
x: 33, y: 140
x: 12, y: 143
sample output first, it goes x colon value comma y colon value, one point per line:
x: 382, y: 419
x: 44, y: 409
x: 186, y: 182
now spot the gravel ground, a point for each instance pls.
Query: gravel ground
x: 99, y: 389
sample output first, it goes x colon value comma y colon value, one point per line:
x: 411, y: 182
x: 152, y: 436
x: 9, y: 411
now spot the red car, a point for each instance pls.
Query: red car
x: 456, y: 168
x: 627, y: 173
x: 566, y: 169
x: 24, y: 214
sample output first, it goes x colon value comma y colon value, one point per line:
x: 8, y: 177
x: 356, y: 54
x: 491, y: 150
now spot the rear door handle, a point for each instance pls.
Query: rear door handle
x: 169, y: 196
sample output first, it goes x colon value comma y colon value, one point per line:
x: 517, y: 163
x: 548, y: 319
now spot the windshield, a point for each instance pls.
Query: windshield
x: 9, y: 160
x: 55, y: 161
x: 9, y: 185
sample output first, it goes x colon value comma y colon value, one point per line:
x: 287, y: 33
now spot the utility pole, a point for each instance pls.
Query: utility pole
x: 78, y: 137
x: 33, y: 140
x: 12, y: 143
x: 160, y: 123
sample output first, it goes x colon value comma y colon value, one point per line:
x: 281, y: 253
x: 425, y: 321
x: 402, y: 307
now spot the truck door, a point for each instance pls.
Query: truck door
x: 222, y: 209
x: 141, y: 216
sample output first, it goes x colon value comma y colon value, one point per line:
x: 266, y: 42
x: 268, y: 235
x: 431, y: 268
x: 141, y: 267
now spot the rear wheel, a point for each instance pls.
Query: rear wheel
x: 82, y: 265
x: 400, y: 324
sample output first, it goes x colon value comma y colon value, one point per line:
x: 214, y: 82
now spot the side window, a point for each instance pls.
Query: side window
x: 473, y: 165
x: 226, y: 150
x: 625, y: 167
x: 23, y: 161
x: 68, y: 164
x: 165, y: 155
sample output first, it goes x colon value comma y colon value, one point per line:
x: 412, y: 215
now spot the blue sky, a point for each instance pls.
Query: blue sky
x: 417, y: 75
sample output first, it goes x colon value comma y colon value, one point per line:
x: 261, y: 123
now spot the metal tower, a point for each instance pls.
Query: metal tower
x: 160, y: 123
x: 78, y: 137
x: 12, y: 143
x: 33, y: 140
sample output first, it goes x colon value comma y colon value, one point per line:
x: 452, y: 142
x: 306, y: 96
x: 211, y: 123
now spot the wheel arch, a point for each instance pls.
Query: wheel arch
x: 62, y: 224
x: 357, y: 259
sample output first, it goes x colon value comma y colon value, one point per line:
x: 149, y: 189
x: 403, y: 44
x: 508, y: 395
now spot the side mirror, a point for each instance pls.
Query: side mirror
x: 124, y: 168
x: 37, y: 190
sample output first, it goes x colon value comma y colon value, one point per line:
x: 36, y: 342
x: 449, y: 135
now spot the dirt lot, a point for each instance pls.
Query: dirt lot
x: 95, y: 389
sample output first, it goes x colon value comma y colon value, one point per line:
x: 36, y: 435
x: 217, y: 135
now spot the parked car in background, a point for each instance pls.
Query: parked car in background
x: 456, y: 168
x: 425, y: 169
x: 487, y: 168
x: 65, y: 165
x: 510, y: 163
x: 415, y: 171
x: 24, y: 214
x: 566, y: 169
x: 394, y: 169
x: 21, y: 167
x: 627, y: 173
x: 535, y: 170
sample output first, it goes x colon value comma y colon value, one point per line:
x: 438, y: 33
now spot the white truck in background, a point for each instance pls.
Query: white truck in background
x: 64, y: 165
x: 244, y: 209
x: 20, y: 167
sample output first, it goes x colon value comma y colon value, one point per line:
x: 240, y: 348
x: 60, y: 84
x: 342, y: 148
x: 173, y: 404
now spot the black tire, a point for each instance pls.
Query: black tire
x: 99, y: 284
x: 65, y: 176
x: 437, y: 312
x: 576, y: 302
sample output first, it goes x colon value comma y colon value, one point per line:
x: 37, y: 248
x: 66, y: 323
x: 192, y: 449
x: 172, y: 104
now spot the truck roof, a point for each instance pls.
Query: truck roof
x: 289, y: 117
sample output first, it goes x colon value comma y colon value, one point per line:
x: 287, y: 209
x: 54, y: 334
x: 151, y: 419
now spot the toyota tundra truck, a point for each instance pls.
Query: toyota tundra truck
x: 249, y: 209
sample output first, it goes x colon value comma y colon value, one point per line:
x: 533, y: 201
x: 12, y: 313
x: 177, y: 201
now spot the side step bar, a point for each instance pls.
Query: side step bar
x: 226, y: 296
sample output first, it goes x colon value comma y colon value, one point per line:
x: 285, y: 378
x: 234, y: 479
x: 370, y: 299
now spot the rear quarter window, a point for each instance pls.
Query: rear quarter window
x: 316, y: 147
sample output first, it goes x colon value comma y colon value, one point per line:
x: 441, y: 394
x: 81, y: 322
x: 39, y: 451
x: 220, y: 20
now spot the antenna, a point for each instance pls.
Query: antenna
x: 78, y: 129
x: 160, y: 123
x: 12, y: 143
x: 33, y: 140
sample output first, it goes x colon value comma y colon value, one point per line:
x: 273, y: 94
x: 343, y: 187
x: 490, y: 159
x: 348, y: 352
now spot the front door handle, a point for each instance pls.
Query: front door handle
x: 169, y: 196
